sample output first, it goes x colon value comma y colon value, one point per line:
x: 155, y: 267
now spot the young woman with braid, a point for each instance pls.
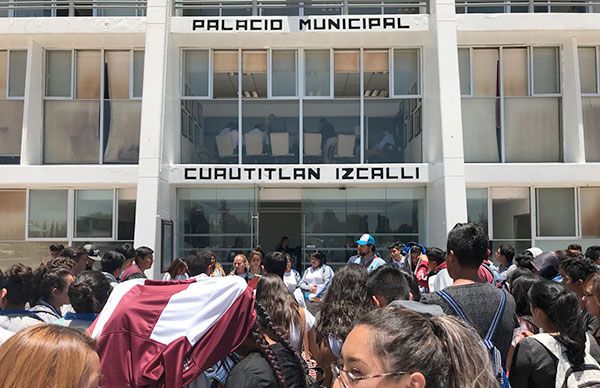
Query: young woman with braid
x: 269, y: 360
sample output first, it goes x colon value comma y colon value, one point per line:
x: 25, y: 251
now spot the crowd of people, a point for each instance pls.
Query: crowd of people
x: 462, y: 316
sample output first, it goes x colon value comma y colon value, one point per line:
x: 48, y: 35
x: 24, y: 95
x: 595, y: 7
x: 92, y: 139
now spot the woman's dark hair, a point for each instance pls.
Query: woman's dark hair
x: 57, y: 248
x: 18, y: 281
x: 49, y: 280
x: 346, y: 300
x: 175, y: 267
x: 126, y: 250
x: 519, y: 290
x: 411, y: 279
x: 89, y: 292
x: 436, y: 255
x: 273, y: 295
x: 111, y: 261
x: 319, y: 256
x: 525, y: 261
x: 562, y: 309
x: 517, y: 273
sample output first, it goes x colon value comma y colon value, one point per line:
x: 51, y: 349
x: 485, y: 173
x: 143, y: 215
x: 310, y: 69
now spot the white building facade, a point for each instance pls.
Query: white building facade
x: 226, y: 125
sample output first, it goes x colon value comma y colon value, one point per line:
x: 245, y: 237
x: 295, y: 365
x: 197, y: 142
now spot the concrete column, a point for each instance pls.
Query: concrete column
x: 33, y: 107
x: 443, y: 141
x: 572, y: 115
x: 151, y: 185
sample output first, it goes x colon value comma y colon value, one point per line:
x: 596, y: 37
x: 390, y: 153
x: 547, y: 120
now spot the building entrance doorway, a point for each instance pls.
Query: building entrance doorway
x: 279, y: 219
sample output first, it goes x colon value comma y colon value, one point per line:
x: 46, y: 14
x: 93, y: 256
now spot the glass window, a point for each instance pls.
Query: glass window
x: 12, y: 208
x: 587, y: 70
x: 338, y: 124
x: 464, y: 69
x: 88, y: 74
x: 556, y: 212
x: 590, y: 212
x: 406, y: 72
x: 546, y: 78
x: 481, y: 130
x: 270, y: 132
x: 11, y: 125
x: 284, y: 73
x: 138, y: 73
x: 346, y: 77
x: 116, y: 83
x: 17, y: 69
x: 515, y: 71
x: 591, y: 128
x: 225, y: 74
x: 48, y: 213
x: 511, y: 217
x: 254, y: 74
x: 376, y: 73
x: 71, y: 131
x: 126, y: 212
x: 477, y: 207
x: 318, y: 70
x: 3, y: 72
x: 195, y: 68
x: 122, y: 130
x: 58, y: 73
x: 93, y: 213
x: 485, y: 72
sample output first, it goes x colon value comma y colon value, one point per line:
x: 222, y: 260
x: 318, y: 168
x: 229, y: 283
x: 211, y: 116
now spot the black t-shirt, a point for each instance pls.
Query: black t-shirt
x: 255, y: 372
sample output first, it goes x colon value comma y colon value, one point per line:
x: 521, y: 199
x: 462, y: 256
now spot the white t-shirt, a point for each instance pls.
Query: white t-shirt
x: 296, y: 334
x: 291, y: 280
x: 6, y: 334
x: 167, y: 277
x: 441, y: 281
x: 319, y: 277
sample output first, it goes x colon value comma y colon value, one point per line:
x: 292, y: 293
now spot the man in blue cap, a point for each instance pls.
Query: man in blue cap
x: 366, y: 254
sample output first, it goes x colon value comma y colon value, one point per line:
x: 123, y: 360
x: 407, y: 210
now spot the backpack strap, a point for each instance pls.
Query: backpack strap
x: 496, y: 320
x: 453, y: 304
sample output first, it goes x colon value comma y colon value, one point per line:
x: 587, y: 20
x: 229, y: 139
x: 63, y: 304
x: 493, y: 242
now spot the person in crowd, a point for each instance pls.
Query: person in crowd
x: 413, y: 286
x: 56, y: 250
x: 346, y: 300
x: 419, y: 264
x: 480, y: 302
x: 129, y: 252
x: 555, y: 311
x: 199, y: 263
x: 547, y: 266
x: 575, y: 248
x: 88, y: 295
x: 256, y: 258
x: 240, y: 267
x: 523, y: 261
x: 396, y: 259
x: 575, y: 271
x: 49, y: 356
x: 80, y: 257
x: 366, y: 254
x: 284, y: 245
x: 593, y: 253
x: 437, y: 262
x: 4, y: 334
x: 395, y: 347
x: 51, y: 293
x: 291, y: 277
x: 315, y: 280
x: 112, y: 266
x: 505, y: 254
x: 216, y: 268
x: 144, y: 257
x: 94, y: 257
x: 591, y: 299
x: 176, y: 271
x: 18, y: 290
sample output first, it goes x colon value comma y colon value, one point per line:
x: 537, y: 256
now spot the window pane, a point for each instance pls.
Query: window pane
x: 515, y: 71
x: 556, y: 212
x: 88, y: 74
x: 254, y: 74
x: 317, y: 73
x: 346, y: 77
x: 481, y: 130
x: 376, y: 73
x: 12, y: 208
x: 17, y: 69
x: 591, y: 128
x: 225, y: 74
x: 406, y: 72
x: 11, y: 124
x: 532, y: 127
x: 587, y: 70
x: 485, y: 72
x: 590, y: 212
x: 48, y: 213
x: 71, y: 131
x: 93, y: 213
x: 122, y: 131
x: 195, y: 65
x: 138, y: 73
x: 545, y: 70
x: 214, y: 125
x: 270, y: 132
x: 393, y: 131
x: 477, y: 207
x: 3, y: 65
x: 58, y: 73
x: 510, y: 213
x: 284, y: 73
x: 338, y: 123
x: 126, y: 227
x: 464, y: 69
x: 117, y: 75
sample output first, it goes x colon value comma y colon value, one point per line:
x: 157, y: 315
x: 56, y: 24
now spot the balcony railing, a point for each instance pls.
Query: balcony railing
x: 59, y: 8
x: 297, y: 7
x: 527, y: 6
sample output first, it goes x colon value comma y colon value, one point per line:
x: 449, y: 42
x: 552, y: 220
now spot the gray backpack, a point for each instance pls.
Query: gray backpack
x: 566, y: 377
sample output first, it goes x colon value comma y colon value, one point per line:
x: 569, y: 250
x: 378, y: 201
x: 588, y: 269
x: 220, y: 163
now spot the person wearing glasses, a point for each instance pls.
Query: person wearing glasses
x: 395, y: 347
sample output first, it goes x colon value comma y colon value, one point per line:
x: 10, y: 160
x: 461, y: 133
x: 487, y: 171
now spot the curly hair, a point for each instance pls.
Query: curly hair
x: 346, y: 301
x: 273, y: 295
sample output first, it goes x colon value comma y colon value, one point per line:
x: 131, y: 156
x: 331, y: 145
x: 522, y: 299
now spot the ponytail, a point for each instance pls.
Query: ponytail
x: 267, y: 353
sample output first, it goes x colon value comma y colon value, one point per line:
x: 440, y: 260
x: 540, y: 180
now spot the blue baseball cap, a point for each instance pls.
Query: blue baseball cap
x: 366, y: 239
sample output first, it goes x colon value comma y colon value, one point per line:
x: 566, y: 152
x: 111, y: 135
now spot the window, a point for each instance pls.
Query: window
x: 588, y: 75
x: 48, y: 213
x: 13, y: 64
x: 195, y: 69
x: 346, y: 76
x: 376, y: 73
x: 92, y: 107
x: 406, y: 72
x: 93, y: 213
x: 317, y: 73
x: 284, y: 73
x: 477, y: 206
x: 126, y: 214
x: 518, y: 119
x: 556, y: 212
x: 590, y: 101
x: 254, y: 74
x: 590, y: 212
x: 12, y: 208
x: 511, y: 217
x: 225, y: 74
